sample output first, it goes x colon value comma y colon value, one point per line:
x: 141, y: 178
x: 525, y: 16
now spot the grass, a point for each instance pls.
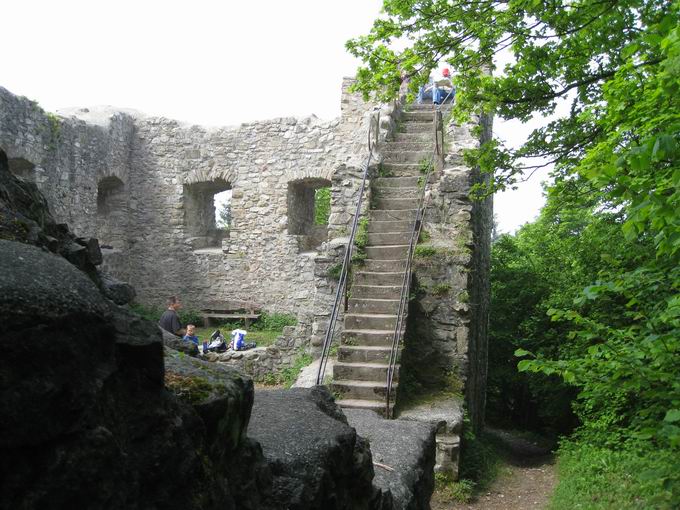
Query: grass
x: 425, y: 251
x: 451, y: 491
x: 633, y: 476
x: 288, y: 376
x: 480, y: 464
x: 441, y: 289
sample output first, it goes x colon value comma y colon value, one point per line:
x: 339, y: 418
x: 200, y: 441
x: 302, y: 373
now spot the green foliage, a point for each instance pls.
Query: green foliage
x: 424, y: 251
x: 334, y: 271
x: 441, y: 289
x: 150, y: 313
x: 272, y: 321
x: 322, y: 205
x: 190, y: 316
x: 632, y: 477
x: 55, y: 129
x: 224, y: 216
x: 360, y: 242
x: 450, y: 491
x: 153, y: 313
x: 589, y: 292
x: 289, y: 375
x: 383, y: 172
x: 361, y: 236
x: 480, y: 461
x: 424, y: 236
x: 425, y: 165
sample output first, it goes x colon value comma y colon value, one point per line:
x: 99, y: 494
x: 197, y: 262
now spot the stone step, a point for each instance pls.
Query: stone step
x: 363, y: 390
x: 392, y: 215
x: 376, y: 226
x: 427, y: 136
x: 418, y: 116
x: 365, y: 354
x: 373, y: 305
x: 376, y: 291
x: 395, y: 182
x: 406, y: 156
x: 387, y: 252
x: 377, y: 406
x: 417, y: 127
x: 394, y: 204
x: 392, y: 169
x: 427, y: 107
x: 389, y: 193
x: 378, y: 278
x: 384, y: 266
x: 408, y: 145
x: 370, y: 321
x: 376, y: 372
x: 386, y: 238
x: 375, y: 337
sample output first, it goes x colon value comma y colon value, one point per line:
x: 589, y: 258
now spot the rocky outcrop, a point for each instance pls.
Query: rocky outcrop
x: 86, y: 419
x: 317, y: 460
x: 404, y: 455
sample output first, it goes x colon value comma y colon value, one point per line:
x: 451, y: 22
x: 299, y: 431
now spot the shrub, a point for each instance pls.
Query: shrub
x: 148, y: 312
x: 636, y: 475
x: 274, y: 321
x: 425, y: 251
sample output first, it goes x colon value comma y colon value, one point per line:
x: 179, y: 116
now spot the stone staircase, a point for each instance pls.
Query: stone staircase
x: 360, y: 373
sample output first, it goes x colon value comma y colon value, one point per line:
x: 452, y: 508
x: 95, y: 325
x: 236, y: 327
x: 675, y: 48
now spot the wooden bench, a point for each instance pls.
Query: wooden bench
x: 227, y: 310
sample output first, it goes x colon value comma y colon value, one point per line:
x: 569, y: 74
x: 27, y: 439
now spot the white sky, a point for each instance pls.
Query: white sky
x: 203, y: 61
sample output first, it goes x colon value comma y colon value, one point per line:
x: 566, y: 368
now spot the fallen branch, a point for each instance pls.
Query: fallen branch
x: 384, y: 466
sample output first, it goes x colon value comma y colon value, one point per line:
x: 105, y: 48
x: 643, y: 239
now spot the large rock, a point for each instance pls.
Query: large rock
x: 57, y: 347
x: 405, y: 455
x: 85, y: 418
x: 317, y: 460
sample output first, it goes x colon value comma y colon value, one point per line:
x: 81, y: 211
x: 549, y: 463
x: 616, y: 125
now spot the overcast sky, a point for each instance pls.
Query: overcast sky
x: 203, y: 61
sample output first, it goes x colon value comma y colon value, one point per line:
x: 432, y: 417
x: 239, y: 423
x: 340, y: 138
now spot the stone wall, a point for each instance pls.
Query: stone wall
x: 445, y: 345
x: 144, y: 186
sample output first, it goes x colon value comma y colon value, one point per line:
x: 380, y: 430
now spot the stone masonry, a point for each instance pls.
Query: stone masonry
x: 144, y: 186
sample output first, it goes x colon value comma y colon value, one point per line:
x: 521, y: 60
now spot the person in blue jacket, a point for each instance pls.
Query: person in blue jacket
x: 190, y: 337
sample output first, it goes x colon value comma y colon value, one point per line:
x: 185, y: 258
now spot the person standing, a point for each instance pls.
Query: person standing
x: 170, y: 320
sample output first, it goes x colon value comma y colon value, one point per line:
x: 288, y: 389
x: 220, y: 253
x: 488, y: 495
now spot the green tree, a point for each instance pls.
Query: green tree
x: 223, y: 219
x: 322, y: 206
x: 617, y: 65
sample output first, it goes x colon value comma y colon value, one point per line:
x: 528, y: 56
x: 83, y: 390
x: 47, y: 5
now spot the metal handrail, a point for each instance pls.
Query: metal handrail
x: 373, y: 132
x: 406, y: 282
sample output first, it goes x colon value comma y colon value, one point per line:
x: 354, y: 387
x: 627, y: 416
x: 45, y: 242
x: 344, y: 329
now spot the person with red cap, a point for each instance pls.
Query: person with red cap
x: 443, y: 88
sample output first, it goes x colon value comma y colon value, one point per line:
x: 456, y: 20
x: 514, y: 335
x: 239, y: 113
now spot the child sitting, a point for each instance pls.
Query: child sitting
x: 190, y: 337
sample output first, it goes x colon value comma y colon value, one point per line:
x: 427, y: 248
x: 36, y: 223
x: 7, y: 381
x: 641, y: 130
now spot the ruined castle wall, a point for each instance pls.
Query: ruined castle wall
x: 144, y: 187
x: 66, y: 158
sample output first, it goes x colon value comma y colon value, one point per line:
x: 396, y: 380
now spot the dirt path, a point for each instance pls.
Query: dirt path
x: 526, y: 479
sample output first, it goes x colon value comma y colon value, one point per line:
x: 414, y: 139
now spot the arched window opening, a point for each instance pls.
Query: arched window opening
x: 308, y: 211
x: 204, y: 209
x: 111, y: 212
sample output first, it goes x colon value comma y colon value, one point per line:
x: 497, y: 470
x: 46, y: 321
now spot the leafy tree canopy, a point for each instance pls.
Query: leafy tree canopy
x: 616, y: 62
x: 615, y: 155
